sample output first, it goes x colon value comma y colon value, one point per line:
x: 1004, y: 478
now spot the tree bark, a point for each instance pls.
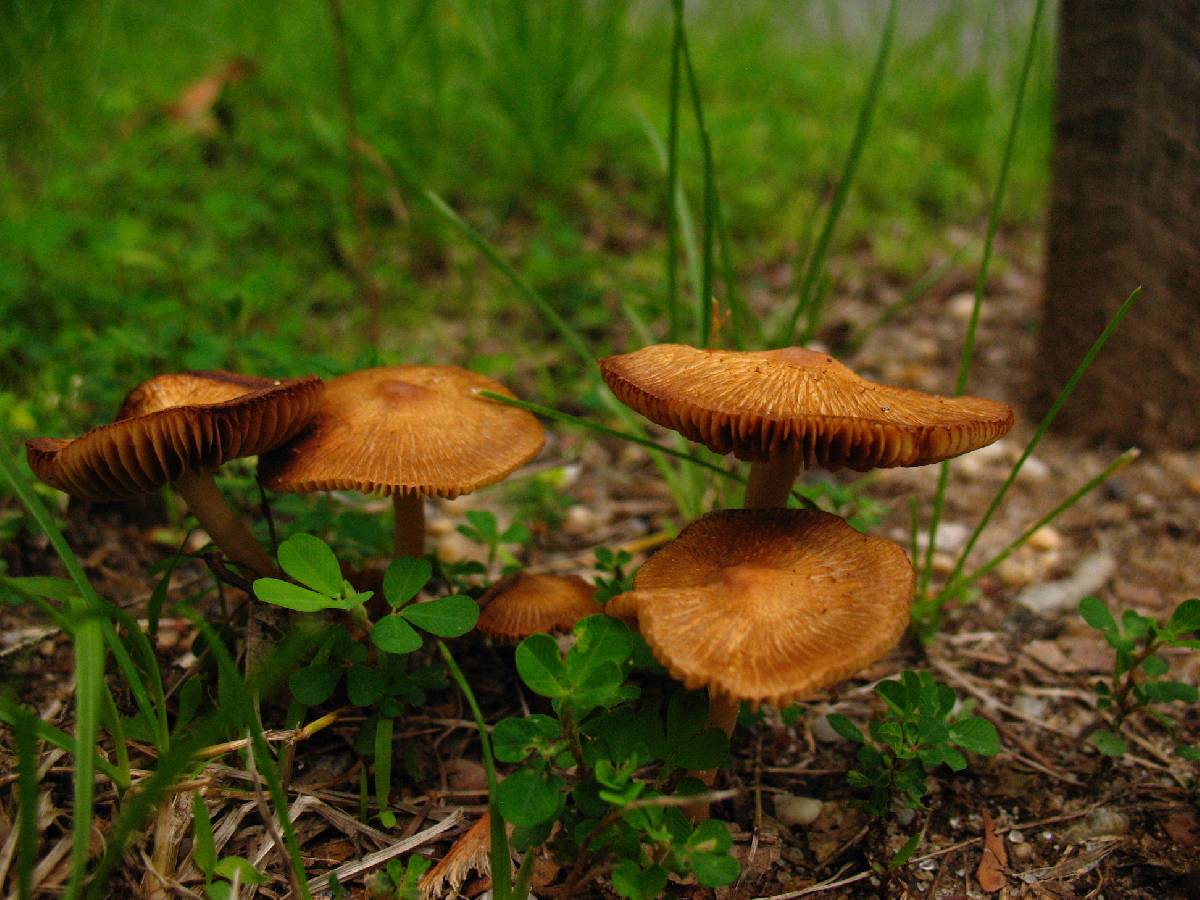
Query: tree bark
x: 1125, y: 211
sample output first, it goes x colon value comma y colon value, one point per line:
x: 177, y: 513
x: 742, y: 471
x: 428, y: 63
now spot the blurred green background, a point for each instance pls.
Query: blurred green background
x: 135, y: 238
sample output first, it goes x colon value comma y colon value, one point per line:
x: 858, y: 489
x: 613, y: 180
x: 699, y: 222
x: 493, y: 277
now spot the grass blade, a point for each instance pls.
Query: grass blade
x: 500, y: 857
x: 673, y: 323
x: 25, y: 730
x: 1063, y: 396
x: 568, y: 419
x: 816, y: 261
x: 704, y: 289
x: 964, y: 369
x: 89, y: 676
x: 568, y: 333
x: 10, y: 714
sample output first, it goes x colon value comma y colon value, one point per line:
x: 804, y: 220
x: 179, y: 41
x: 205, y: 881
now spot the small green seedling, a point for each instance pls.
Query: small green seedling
x: 224, y: 876
x: 310, y: 562
x: 387, y: 683
x: 585, y: 767
x: 399, y: 880
x: 615, y: 580
x: 917, y: 732
x: 483, y: 529
x: 1140, y: 674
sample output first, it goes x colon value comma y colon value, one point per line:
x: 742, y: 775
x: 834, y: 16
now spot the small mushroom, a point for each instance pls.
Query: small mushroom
x: 179, y: 428
x: 769, y: 605
x: 525, y: 604
x: 784, y: 409
x: 409, y: 432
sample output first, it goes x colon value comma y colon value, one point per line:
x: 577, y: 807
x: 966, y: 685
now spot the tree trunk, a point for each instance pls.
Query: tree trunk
x: 1125, y: 211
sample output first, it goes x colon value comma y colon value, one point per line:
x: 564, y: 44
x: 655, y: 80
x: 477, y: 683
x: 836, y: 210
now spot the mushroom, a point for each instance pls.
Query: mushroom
x: 409, y: 432
x: 783, y: 409
x: 768, y: 605
x: 179, y: 428
x: 525, y: 604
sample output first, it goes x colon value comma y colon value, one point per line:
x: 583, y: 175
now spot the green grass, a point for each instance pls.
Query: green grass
x: 128, y: 246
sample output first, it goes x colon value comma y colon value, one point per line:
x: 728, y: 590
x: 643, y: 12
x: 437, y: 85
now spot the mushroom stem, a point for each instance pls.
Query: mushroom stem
x: 410, y: 524
x: 723, y: 714
x: 770, y: 483
x: 223, y: 525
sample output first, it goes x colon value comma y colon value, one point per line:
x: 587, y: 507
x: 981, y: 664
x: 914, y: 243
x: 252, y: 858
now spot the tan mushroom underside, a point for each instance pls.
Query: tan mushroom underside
x: 796, y: 404
x: 174, y: 424
x: 770, y: 606
x: 406, y: 430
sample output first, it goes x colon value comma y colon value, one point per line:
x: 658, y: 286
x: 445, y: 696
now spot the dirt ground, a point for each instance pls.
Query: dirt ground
x: 1056, y: 821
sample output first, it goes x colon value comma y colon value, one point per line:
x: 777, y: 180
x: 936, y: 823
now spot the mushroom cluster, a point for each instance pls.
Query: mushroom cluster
x: 406, y: 431
x: 767, y: 604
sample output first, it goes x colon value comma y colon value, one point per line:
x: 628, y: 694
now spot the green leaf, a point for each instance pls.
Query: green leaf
x: 1097, y: 615
x: 1166, y: 691
x: 528, y: 798
x: 541, y: 667
x: 710, y: 836
x: 1185, y: 618
x: 204, y: 851
x: 513, y: 738
x: 1155, y: 666
x: 364, y: 685
x: 1108, y: 743
x: 630, y: 880
x: 904, y: 854
x: 313, y: 685
x: 599, y: 639
x: 845, y: 728
x: 715, y: 870
x: 237, y: 865
x: 392, y: 634
x: 310, y: 561
x: 1136, y: 626
x: 291, y: 596
x: 1184, y: 751
x: 976, y: 735
x: 932, y: 731
x: 707, y: 750
x: 516, y: 533
x: 404, y: 579
x: 894, y: 695
x: 483, y: 524
x: 446, y: 617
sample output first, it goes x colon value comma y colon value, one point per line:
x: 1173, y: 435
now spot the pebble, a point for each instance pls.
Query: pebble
x: 905, y: 816
x: 1016, y: 837
x: 792, y: 810
x: 1054, y: 597
x: 1016, y: 571
x: 950, y: 537
x: 1034, y: 470
x: 580, y: 520
x: 1104, y: 822
x: 1046, y: 538
x: 961, y: 305
x: 1144, y: 503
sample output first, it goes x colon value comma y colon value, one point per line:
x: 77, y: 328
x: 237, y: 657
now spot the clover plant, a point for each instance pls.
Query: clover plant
x: 386, y: 682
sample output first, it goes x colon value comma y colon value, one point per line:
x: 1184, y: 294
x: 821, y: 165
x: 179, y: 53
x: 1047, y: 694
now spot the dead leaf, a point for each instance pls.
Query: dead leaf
x: 1183, y: 829
x: 994, y: 860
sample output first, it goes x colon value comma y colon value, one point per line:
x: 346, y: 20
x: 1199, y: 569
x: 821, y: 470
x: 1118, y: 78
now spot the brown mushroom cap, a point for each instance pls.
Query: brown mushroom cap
x: 798, y: 404
x: 173, y: 424
x: 770, y: 606
x: 528, y: 604
x: 406, y: 430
